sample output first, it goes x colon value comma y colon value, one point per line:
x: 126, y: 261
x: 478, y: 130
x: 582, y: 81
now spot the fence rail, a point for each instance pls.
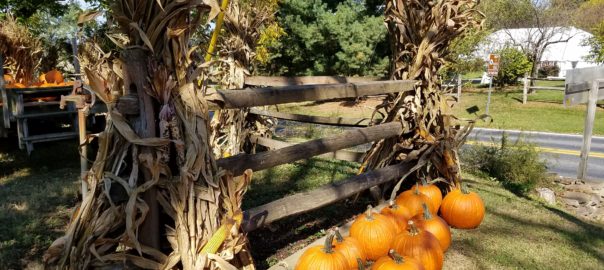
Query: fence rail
x: 322, y: 120
x: 252, y: 97
x: 305, y: 80
x: 299, y: 203
x: 300, y: 89
x: 527, y: 86
x: 264, y: 160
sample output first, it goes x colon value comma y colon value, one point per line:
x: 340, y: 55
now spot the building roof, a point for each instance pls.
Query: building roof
x: 573, y: 50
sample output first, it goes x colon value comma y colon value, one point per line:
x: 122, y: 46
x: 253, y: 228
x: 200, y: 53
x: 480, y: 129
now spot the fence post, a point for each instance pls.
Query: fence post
x: 5, y: 120
x: 525, y: 89
x: 589, y: 126
x: 459, y: 88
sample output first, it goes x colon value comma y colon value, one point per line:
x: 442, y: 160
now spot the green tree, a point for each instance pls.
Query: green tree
x: 514, y: 64
x: 596, y: 43
x: 25, y: 9
x: 331, y: 38
x: 461, y: 58
x: 589, y: 17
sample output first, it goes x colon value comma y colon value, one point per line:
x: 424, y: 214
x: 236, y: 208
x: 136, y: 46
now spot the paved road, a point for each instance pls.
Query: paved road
x: 561, y: 151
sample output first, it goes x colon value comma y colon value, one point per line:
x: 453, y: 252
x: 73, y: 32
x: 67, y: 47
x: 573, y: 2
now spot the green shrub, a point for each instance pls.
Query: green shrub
x: 514, y: 64
x: 547, y: 71
x: 516, y: 164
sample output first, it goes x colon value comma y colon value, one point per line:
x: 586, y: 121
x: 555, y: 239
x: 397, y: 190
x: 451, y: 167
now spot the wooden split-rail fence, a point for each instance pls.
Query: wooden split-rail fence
x: 528, y: 86
x: 281, y: 90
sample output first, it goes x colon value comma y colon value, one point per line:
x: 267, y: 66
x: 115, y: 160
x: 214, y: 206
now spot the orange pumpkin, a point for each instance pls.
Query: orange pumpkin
x: 8, y: 79
x: 322, y: 257
x: 400, y: 215
x: 462, y: 209
x: 421, y: 245
x: 42, y: 78
x: 396, y: 262
x: 412, y: 200
x: 436, y: 226
x: 350, y: 248
x: 15, y: 85
x: 432, y: 192
x: 375, y: 232
x: 54, y: 76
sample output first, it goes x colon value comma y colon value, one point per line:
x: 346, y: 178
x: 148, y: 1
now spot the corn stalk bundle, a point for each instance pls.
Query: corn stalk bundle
x: 421, y: 32
x: 22, y: 51
x: 156, y: 199
x: 244, y: 24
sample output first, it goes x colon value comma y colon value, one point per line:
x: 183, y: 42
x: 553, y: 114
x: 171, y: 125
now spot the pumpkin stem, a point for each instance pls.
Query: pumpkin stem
x: 464, y: 188
x: 369, y: 212
x: 398, y: 259
x: 427, y: 213
x: 416, y: 192
x: 392, y: 205
x: 339, y: 237
x: 424, y: 181
x: 360, y: 264
x: 413, y: 230
x: 328, y: 247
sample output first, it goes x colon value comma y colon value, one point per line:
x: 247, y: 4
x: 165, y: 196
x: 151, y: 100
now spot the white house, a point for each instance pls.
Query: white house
x: 566, y: 55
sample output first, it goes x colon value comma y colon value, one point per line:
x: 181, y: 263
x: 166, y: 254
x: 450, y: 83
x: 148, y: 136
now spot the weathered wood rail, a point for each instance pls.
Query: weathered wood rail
x: 331, y: 121
x: 297, y: 89
x: 339, y: 155
x: 264, y: 160
x: 307, y: 201
x: 252, y: 97
x: 527, y: 86
x: 305, y: 80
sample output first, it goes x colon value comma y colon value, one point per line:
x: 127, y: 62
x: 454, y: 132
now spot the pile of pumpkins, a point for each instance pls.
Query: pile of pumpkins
x: 53, y: 78
x: 408, y: 234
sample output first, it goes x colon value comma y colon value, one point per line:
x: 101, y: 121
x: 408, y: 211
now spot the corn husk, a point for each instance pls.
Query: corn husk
x: 169, y: 173
x: 421, y: 33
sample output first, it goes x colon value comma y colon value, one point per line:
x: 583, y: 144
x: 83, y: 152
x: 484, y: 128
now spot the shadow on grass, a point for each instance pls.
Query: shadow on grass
x: 36, y: 194
x: 280, y: 181
x: 33, y: 213
x: 278, y: 239
x: 585, y: 238
x: 45, y: 157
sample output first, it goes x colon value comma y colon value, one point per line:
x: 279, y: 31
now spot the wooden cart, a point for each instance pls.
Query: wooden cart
x: 20, y: 106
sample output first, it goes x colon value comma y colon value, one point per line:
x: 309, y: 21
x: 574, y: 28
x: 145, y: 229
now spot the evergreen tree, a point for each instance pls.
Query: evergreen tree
x: 331, y: 37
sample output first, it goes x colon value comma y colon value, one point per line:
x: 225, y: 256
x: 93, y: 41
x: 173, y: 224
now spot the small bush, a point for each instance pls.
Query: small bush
x: 517, y: 165
x: 514, y: 64
x: 549, y: 71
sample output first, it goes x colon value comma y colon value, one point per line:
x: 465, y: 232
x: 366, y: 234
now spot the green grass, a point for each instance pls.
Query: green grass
x: 524, y: 233
x: 543, y: 112
x: 277, y: 182
x: 36, y: 195
x: 472, y: 75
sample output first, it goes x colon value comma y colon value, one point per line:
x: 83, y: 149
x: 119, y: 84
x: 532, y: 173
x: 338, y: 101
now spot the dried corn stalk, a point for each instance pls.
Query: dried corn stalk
x: 22, y: 51
x: 421, y: 34
x: 244, y: 25
x: 156, y: 199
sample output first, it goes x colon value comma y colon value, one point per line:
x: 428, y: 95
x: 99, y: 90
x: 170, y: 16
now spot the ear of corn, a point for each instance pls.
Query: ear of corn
x: 217, y: 239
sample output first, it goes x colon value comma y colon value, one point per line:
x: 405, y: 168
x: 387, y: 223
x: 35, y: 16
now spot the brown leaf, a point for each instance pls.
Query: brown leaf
x: 87, y: 16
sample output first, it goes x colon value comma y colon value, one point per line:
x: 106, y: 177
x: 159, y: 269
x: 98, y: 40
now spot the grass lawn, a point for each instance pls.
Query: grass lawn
x: 543, y: 112
x: 524, y: 233
x: 518, y: 233
x: 36, y: 196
